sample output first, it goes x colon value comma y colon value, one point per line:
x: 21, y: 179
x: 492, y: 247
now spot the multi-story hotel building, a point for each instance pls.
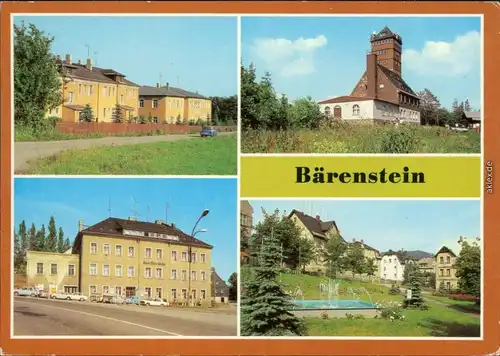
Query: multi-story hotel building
x: 129, y: 257
x: 108, y: 93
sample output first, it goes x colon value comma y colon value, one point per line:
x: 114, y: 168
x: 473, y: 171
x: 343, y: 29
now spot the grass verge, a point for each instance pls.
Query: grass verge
x: 352, y: 138
x: 196, y: 156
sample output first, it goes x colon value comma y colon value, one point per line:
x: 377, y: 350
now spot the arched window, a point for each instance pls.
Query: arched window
x: 327, y: 111
x: 355, y: 110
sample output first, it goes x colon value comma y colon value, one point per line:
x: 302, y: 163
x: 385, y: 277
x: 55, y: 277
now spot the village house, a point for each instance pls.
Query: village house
x: 473, y: 119
x: 381, y: 95
x: 445, y: 269
x: 108, y: 93
x: 129, y: 258
x: 220, y: 289
x: 391, y: 268
x: 166, y: 104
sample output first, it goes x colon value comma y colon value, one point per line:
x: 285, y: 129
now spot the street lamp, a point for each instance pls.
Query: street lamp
x: 203, y: 214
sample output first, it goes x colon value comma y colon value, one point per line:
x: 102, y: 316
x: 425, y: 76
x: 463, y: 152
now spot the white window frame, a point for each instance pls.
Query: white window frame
x: 150, y: 274
x: 161, y: 272
x: 104, y: 249
x: 116, y: 289
x: 130, y: 275
x: 204, y: 291
x: 161, y: 252
x: 203, y: 258
x: 172, y: 292
x: 103, y: 287
x: 43, y: 269
x: 57, y: 268
x: 146, y: 252
x: 203, y: 276
x: 161, y: 291
x: 193, y: 273
x: 172, y: 274
x: 133, y: 251
x: 74, y: 269
x: 141, y: 103
x: 121, y: 250
x: 184, y: 272
x: 93, y: 243
x: 90, y: 289
x: 109, y: 270
x: 154, y: 103
x: 172, y: 254
x: 150, y: 289
x: 121, y: 271
x: 96, y: 269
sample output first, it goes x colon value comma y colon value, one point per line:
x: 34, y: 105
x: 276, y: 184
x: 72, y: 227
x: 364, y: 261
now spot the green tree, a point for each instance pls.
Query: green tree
x: 468, y: 269
x: 249, y: 91
x: 268, y: 107
x: 21, y: 245
x: 429, y: 106
x: 266, y: 310
x: 416, y: 300
x: 32, y: 245
x: 334, y: 256
x: 67, y: 245
x: 233, y: 286
x: 355, y: 258
x: 409, y: 268
x: 370, y: 267
x: 281, y: 121
x: 86, y: 115
x: 40, y: 239
x: 307, y: 252
x: 37, y: 84
x: 18, y: 259
x: 60, y: 241
x: 305, y: 113
x: 467, y: 106
x: 51, y: 240
x: 117, y: 116
x: 285, y: 231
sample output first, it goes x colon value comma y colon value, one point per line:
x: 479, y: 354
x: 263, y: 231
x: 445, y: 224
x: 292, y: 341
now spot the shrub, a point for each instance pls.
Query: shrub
x: 349, y: 316
x: 52, y: 121
x: 324, y: 314
x: 462, y: 297
x: 402, y: 139
x: 395, y: 289
x: 392, y: 311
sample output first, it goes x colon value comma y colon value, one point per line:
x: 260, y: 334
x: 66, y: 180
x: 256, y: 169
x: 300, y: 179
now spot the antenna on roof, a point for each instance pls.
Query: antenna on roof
x: 178, y: 81
x: 135, y: 213
x: 166, y: 212
x: 88, y: 50
x: 161, y: 78
x: 147, y: 214
x: 109, y: 207
x: 96, y: 55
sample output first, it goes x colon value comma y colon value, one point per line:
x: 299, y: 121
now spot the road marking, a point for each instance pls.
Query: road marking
x: 105, y: 317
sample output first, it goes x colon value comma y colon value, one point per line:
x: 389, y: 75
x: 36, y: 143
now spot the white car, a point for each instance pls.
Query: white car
x: 78, y: 296
x: 61, y: 295
x: 156, y: 302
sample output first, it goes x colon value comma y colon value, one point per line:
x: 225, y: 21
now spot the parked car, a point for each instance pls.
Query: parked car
x: 208, y: 131
x: 78, y: 296
x: 133, y: 300
x: 43, y: 294
x: 25, y: 292
x: 118, y: 299
x: 62, y: 296
x: 156, y: 302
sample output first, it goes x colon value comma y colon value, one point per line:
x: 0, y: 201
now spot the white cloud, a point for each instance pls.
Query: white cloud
x: 446, y: 58
x: 289, y: 58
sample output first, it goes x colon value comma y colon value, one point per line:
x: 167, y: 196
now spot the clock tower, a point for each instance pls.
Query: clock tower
x: 388, y: 47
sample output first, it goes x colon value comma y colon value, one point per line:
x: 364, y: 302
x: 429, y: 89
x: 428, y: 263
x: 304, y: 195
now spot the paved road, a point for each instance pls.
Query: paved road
x: 41, y: 317
x: 24, y: 152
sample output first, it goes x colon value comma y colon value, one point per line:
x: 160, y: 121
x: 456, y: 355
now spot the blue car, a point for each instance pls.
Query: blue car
x: 133, y: 300
x: 208, y: 131
x: 25, y: 292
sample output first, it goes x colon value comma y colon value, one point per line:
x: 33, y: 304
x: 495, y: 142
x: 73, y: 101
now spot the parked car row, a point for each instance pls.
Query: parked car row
x: 32, y: 292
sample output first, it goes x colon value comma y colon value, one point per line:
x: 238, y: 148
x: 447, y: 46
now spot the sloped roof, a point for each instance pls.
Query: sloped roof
x: 114, y: 227
x: 168, y: 91
x: 96, y: 74
x: 385, y: 33
x: 397, y: 81
x: 219, y: 285
x: 349, y: 98
x: 445, y: 249
x: 476, y: 115
x: 316, y: 227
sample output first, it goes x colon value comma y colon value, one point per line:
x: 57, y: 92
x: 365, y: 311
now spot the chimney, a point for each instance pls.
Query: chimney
x: 157, y: 85
x: 353, y: 240
x: 318, y: 218
x: 371, y: 73
x: 80, y: 225
x: 80, y: 61
x: 132, y: 218
x: 159, y: 222
x: 68, y: 59
x: 167, y: 85
x: 461, y: 239
x: 362, y: 241
x: 89, y: 64
x: 173, y: 225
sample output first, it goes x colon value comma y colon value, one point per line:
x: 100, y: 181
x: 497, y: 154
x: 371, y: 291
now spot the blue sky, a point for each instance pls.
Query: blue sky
x: 194, y: 53
x: 70, y: 200
x: 391, y: 224
x: 324, y: 57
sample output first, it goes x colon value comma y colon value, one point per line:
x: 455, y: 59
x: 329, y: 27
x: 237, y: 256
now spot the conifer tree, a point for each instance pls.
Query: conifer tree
x: 32, y: 245
x: 60, y: 241
x: 51, y: 242
x: 266, y: 310
x: 67, y: 245
x: 40, y: 242
x: 416, y: 300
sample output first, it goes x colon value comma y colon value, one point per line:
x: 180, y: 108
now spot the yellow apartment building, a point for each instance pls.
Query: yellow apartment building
x: 105, y: 90
x: 166, y: 104
x: 445, y: 269
x: 52, y: 271
x: 130, y: 257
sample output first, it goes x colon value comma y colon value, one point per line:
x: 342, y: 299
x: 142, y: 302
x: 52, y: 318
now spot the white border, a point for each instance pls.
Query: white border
x: 238, y: 16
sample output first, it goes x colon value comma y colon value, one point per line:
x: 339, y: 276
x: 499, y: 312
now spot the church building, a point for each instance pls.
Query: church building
x: 381, y: 94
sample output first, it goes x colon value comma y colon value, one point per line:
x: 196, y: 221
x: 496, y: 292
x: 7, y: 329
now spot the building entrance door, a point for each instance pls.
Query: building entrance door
x: 129, y: 292
x: 337, y: 112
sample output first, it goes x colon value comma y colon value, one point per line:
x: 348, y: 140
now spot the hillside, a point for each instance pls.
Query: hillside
x: 414, y: 255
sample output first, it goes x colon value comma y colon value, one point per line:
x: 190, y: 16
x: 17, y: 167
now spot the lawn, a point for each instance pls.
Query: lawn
x: 197, y: 156
x: 352, y: 138
x: 445, y: 317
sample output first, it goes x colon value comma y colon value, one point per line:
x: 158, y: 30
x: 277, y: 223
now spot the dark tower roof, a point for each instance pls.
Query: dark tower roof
x: 386, y: 33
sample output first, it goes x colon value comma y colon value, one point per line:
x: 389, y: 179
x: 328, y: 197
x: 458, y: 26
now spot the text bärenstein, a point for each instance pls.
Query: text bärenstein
x: 320, y: 175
